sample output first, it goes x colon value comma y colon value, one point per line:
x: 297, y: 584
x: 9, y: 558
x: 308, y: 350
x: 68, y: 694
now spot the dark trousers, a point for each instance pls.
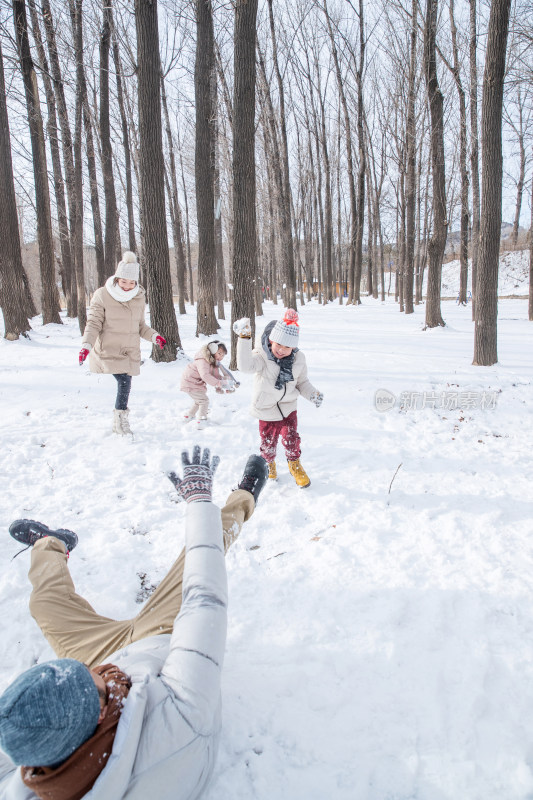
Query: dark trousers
x: 290, y: 438
x: 123, y: 390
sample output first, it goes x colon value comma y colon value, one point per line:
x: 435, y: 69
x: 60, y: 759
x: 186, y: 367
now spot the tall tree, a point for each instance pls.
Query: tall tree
x: 411, y: 167
x: 152, y: 179
x: 206, y: 322
x: 355, y: 296
x: 76, y: 17
x: 49, y: 290
x: 474, y: 149
x: 110, y: 244
x: 437, y: 243
x: 486, y: 336
x: 244, y: 219
x: 285, y: 201
x: 15, y: 301
x: 132, y: 244
x: 174, y: 205
x: 66, y: 144
x: 53, y: 138
x: 463, y: 252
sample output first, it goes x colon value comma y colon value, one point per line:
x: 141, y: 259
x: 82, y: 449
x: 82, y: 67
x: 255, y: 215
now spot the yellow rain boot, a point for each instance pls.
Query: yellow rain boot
x: 272, y: 471
x: 299, y: 474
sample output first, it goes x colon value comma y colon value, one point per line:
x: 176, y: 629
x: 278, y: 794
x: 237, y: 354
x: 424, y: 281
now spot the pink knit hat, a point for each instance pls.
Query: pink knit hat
x: 286, y: 330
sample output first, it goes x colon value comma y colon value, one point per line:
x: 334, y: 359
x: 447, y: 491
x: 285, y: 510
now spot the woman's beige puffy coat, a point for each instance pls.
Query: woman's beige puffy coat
x: 114, y: 329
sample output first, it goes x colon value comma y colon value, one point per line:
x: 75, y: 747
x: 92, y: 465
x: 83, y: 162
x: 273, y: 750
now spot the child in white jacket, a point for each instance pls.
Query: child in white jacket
x: 280, y: 377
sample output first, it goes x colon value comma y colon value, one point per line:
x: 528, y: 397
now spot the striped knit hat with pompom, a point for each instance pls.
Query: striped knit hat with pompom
x: 286, y: 330
x: 128, y: 268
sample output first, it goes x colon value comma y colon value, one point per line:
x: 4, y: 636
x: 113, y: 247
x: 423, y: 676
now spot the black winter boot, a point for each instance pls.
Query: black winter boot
x: 29, y: 531
x: 255, y: 476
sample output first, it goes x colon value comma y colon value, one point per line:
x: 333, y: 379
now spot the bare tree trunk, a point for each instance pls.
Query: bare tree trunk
x: 530, y: 304
x: 219, y: 252
x: 53, y: 137
x: 328, y: 222
x: 485, y: 336
x: 244, y: 217
x: 68, y: 156
x: 349, y: 158
x: 110, y: 245
x: 49, y: 291
x: 463, y: 252
x: 132, y: 244
x: 437, y: 243
x: 15, y: 302
x: 175, y: 216
x: 411, y: 168
x: 187, y: 230
x: 474, y: 150
x: 288, y: 250
x: 206, y: 322
x: 519, y: 130
x: 362, y: 163
x: 152, y: 175
x: 81, y: 90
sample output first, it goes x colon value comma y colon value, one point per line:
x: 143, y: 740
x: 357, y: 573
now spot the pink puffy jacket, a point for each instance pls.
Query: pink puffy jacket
x: 200, y: 372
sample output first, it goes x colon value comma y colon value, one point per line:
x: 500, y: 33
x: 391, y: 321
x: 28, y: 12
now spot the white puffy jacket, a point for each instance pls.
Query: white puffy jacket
x: 167, y: 737
x: 269, y: 403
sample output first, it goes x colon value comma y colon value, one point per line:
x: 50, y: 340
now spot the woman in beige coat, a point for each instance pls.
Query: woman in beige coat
x: 112, y: 336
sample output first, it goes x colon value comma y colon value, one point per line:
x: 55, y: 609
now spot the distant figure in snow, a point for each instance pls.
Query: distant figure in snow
x: 112, y: 336
x: 280, y: 377
x: 203, y: 370
x: 131, y: 709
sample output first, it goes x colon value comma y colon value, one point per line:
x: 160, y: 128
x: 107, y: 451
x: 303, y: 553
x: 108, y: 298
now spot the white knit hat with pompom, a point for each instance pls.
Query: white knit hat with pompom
x: 128, y: 268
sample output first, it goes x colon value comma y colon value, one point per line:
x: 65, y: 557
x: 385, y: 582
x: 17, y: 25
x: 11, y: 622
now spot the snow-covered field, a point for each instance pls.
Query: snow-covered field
x: 380, y: 643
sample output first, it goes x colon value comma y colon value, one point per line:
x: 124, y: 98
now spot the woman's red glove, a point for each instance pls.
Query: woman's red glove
x: 83, y: 355
x: 160, y: 341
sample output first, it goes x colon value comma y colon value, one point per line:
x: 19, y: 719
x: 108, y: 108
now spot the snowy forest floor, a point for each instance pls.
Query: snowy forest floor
x: 380, y: 634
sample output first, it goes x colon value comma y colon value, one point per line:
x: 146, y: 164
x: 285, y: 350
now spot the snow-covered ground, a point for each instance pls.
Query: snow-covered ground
x: 380, y: 642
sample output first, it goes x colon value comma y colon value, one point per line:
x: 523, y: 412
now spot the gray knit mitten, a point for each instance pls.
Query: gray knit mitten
x: 197, y: 481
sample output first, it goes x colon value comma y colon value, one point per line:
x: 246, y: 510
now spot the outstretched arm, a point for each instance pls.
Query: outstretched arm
x: 194, y: 664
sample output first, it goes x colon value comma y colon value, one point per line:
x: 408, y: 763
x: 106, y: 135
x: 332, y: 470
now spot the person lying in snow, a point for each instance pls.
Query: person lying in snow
x: 130, y: 708
x: 280, y: 376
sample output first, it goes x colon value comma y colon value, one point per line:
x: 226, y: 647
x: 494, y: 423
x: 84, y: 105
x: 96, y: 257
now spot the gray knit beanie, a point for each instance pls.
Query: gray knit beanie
x: 286, y: 330
x: 128, y: 268
x: 48, y: 712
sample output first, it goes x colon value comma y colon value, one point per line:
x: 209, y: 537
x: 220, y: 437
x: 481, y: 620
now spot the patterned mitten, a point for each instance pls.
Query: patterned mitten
x: 197, y: 481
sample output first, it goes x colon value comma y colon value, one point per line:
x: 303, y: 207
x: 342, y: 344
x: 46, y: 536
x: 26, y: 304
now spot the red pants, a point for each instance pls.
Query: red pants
x: 290, y: 438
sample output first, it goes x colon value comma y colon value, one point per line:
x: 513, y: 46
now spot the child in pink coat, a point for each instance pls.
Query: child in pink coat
x: 198, y: 374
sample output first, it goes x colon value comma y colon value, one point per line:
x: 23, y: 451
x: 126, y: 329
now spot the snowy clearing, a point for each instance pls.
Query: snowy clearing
x: 380, y: 637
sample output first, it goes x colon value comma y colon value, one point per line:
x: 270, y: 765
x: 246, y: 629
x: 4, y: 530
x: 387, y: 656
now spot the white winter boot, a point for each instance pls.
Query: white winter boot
x: 121, y: 423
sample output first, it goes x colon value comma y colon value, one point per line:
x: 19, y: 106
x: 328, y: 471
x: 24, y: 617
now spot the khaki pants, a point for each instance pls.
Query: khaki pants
x: 70, y: 623
x: 200, y: 403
